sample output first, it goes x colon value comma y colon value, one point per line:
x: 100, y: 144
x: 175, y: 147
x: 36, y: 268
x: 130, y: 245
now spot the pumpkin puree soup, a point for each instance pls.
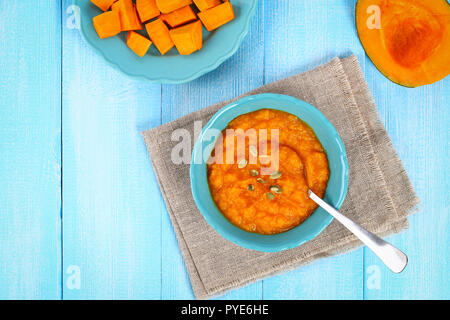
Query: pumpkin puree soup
x: 263, y: 189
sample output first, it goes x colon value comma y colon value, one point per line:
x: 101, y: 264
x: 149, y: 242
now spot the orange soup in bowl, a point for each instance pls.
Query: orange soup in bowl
x: 261, y: 168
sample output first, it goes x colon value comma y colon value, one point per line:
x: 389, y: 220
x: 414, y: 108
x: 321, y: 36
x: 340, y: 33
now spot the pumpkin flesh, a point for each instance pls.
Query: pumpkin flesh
x: 410, y: 42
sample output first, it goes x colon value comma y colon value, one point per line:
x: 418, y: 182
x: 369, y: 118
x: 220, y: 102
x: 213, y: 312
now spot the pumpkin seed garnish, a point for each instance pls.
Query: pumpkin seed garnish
x: 261, y: 180
x: 276, y: 189
x: 242, y: 163
x: 251, y: 187
x: 270, y: 196
x: 275, y: 175
x: 254, y: 173
x: 253, y: 151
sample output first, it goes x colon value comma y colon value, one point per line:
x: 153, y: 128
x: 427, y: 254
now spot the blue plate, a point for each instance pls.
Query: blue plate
x: 218, y: 46
x: 337, y: 184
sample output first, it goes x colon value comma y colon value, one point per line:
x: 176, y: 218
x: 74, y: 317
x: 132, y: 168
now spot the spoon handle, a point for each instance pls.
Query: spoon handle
x: 392, y: 257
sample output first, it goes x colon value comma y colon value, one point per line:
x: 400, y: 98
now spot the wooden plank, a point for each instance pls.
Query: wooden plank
x: 300, y: 35
x: 30, y: 162
x: 241, y: 73
x: 111, y: 202
x: 418, y: 122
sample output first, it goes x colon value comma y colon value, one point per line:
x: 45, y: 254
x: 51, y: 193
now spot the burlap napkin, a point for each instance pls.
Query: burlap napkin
x: 339, y: 90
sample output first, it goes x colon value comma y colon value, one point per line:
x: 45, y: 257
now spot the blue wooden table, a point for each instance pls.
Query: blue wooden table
x: 81, y: 215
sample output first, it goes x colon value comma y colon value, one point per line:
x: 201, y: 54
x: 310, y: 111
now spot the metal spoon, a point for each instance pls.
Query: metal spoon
x: 392, y: 257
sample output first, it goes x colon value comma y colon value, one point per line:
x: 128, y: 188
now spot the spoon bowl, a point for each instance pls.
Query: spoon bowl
x: 392, y: 257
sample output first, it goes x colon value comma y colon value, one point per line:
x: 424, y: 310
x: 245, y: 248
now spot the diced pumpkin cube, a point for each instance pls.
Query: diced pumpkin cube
x: 217, y: 16
x: 178, y: 17
x: 103, y: 4
x: 138, y: 43
x: 187, y: 38
x: 167, y: 6
x: 129, y: 19
x: 147, y: 9
x: 107, y: 24
x: 159, y: 34
x: 203, y: 5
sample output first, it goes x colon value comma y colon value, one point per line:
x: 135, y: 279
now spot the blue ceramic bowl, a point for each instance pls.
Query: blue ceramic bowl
x: 218, y: 46
x: 337, y: 184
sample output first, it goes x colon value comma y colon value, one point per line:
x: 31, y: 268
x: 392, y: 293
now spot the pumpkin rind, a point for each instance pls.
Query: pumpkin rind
x: 411, y: 45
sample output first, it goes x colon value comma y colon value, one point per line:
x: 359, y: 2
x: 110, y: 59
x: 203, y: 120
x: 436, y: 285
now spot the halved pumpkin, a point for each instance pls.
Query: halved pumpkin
x: 407, y: 40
